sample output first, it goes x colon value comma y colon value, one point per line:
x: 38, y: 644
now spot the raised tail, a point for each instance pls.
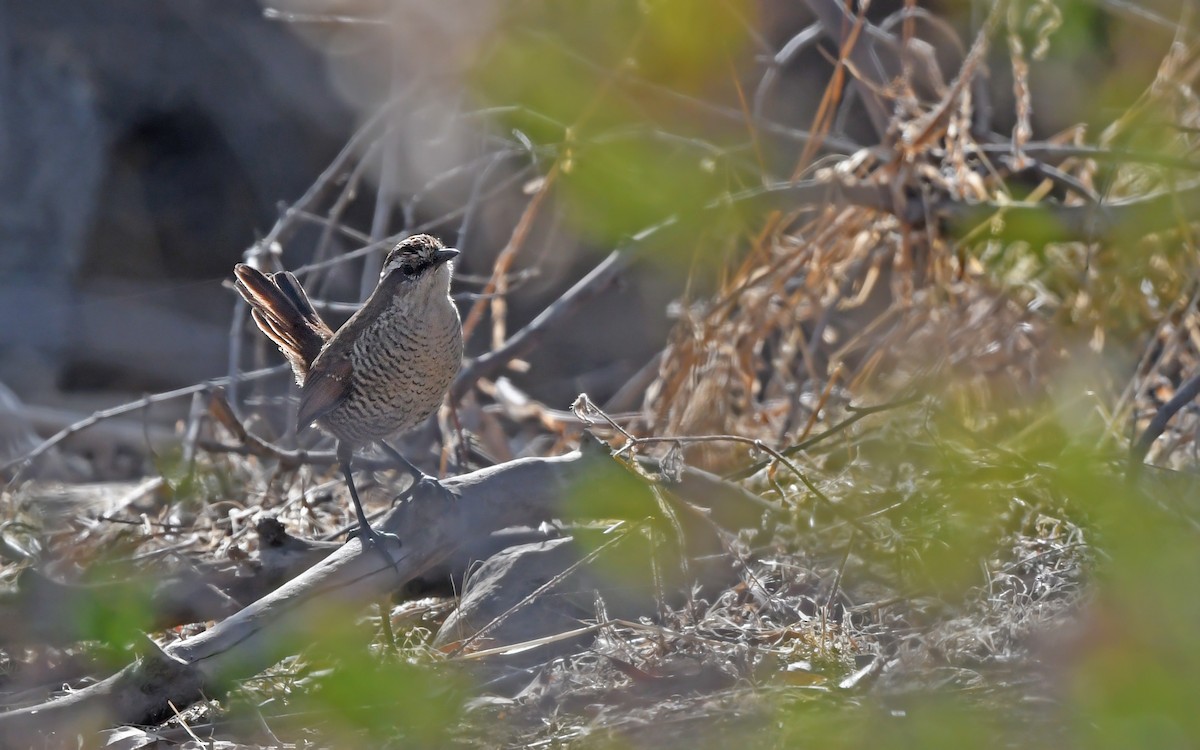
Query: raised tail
x: 284, y: 313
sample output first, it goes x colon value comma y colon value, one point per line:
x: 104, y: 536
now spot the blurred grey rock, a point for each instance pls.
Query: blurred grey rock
x: 143, y: 146
x: 510, y: 576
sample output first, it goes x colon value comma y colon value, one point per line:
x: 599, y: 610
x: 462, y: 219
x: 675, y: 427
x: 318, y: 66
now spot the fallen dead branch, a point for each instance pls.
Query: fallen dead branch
x: 433, y: 533
x: 521, y: 492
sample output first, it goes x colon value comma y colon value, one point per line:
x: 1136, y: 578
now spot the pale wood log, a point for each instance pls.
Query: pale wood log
x: 441, y: 535
x: 524, y: 492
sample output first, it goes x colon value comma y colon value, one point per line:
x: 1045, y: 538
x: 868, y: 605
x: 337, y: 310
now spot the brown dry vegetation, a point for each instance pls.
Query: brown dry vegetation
x: 919, y: 366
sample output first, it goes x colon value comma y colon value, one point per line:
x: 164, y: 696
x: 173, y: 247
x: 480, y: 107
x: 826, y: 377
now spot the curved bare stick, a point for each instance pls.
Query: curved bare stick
x: 489, y: 364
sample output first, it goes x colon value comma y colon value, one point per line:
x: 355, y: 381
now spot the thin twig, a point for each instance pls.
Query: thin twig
x: 489, y: 364
x: 858, y: 413
x: 282, y: 229
x: 1184, y: 396
x: 142, y: 403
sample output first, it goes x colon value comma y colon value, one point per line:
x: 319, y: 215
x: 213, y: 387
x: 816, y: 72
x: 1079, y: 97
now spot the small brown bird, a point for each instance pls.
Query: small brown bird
x: 383, y: 372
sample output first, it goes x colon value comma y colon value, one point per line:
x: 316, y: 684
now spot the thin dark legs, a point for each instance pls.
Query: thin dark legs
x: 417, y: 474
x: 418, y: 477
x: 368, y: 535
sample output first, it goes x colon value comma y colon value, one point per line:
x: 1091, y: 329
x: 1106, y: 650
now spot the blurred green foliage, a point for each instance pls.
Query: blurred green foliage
x: 195, y: 483
x: 1139, y: 668
x: 354, y: 695
x: 605, y: 87
x: 112, y: 616
x: 364, y: 698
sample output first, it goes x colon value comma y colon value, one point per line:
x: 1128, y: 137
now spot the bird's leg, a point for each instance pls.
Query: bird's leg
x: 418, y: 477
x: 369, y: 536
x: 416, y: 474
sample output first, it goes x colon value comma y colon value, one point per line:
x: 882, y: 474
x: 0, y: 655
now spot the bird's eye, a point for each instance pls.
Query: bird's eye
x: 408, y: 269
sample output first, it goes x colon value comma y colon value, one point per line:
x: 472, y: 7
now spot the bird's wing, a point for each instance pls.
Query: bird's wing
x: 327, y: 385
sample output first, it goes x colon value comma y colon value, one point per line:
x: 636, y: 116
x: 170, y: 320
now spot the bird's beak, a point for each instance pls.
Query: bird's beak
x: 443, y: 255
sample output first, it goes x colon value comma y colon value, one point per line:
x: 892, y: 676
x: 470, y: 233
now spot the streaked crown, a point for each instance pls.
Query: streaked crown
x: 415, y: 255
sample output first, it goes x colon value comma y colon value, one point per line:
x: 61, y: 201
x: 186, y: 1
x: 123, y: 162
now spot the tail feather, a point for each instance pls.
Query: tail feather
x: 290, y: 286
x: 281, y: 310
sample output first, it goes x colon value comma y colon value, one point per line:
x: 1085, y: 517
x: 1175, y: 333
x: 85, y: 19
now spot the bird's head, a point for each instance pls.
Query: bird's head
x: 419, y: 259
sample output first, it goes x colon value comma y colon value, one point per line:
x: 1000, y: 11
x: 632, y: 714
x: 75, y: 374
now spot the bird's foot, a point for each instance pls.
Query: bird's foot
x: 420, y: 480
x: 423, y: 483
x: 378, y: 540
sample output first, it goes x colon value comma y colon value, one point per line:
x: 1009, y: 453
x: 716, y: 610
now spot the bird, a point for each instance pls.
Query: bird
x: 384, y: 371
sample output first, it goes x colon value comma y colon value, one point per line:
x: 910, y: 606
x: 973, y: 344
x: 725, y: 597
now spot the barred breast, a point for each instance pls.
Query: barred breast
x: 403, y: 364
